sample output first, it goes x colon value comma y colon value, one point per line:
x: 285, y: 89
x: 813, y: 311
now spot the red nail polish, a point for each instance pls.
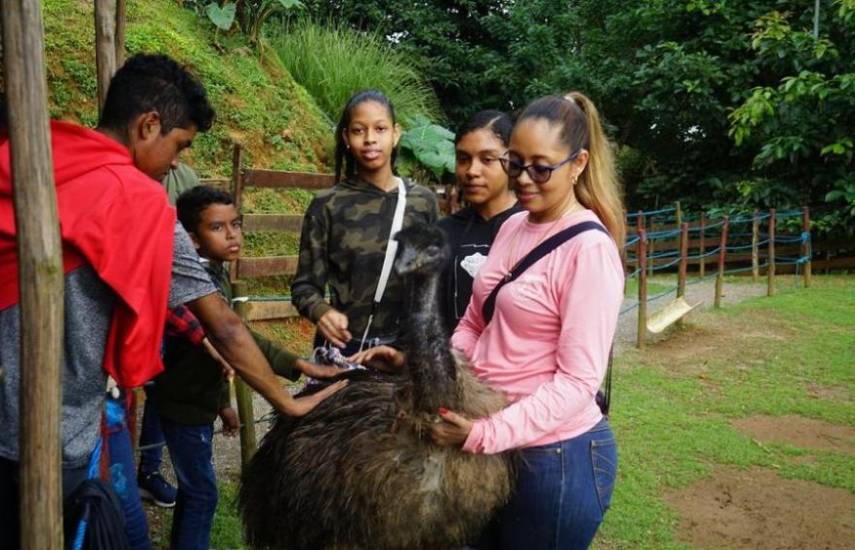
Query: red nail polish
x: 443, y: 410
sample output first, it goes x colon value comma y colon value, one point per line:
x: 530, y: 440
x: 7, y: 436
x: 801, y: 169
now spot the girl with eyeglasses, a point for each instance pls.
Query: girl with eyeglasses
x: 480, y: 145
x: 548, y: 340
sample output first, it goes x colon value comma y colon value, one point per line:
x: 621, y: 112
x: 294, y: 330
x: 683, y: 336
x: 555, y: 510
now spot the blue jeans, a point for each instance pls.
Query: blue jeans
x: 563, y: 489
x: 124, y: 476
x: 191, y: 450
x: 150, y: 434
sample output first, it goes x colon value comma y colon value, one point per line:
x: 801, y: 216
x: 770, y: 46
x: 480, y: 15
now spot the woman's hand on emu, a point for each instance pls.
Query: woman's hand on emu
x: 333, y: 325
x: 452, y: 431
x: 385, y: 358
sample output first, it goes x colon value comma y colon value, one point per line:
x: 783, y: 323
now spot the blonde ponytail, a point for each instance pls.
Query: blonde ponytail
x: 598, y: 188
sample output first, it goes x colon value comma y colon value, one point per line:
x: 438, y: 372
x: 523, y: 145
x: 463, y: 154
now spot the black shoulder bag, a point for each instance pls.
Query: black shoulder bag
x: 541, y: 250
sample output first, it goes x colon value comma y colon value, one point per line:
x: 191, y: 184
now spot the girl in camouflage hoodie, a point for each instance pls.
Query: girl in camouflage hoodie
x: 346, y: 230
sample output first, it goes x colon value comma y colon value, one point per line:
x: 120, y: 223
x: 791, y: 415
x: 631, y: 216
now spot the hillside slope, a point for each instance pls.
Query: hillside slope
x: 258, y: 104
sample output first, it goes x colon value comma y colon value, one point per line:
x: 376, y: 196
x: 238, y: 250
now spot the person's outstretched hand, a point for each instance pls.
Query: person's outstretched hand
x: 452, y: 431
x: 304, y: 405
x: 385, y: 358
x: 317, y: 371
x: 333, y: 326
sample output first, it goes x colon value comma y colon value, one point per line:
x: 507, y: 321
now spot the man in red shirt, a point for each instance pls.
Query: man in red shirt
x: 125, y: 260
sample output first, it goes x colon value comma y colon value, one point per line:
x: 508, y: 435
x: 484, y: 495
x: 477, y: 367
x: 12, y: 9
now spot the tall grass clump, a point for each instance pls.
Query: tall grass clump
x: 332, y: 62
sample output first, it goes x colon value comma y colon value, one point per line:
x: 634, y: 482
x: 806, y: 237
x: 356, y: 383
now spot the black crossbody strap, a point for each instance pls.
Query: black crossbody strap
x: 532, y: 258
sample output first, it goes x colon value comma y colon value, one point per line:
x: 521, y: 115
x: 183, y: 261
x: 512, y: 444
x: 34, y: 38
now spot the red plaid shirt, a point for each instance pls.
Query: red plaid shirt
x: 181, y: 323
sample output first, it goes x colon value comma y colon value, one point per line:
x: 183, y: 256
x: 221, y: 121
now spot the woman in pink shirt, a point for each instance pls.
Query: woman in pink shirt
x: 547, y: 344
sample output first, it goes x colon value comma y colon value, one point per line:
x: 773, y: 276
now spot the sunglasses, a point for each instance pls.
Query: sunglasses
x: 539, y: 173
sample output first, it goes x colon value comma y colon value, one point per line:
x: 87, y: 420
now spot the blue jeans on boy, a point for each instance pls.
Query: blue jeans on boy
x: 151, y: 434
x: 191, y: 451
x: 562, y: 491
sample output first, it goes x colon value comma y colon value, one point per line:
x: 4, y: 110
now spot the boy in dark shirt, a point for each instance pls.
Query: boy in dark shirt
x: 192, y: 391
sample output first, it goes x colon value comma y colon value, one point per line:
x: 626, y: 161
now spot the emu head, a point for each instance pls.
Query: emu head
x: 422, y: 250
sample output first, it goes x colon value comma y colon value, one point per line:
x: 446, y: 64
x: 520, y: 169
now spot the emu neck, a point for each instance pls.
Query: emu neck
x: 429, y: 358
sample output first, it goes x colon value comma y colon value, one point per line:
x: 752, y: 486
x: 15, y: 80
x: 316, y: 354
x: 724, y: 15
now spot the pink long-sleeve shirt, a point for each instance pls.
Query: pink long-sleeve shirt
x: 548, y: 343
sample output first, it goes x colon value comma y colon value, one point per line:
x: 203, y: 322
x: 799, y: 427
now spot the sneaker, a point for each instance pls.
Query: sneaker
x: 157, y: 490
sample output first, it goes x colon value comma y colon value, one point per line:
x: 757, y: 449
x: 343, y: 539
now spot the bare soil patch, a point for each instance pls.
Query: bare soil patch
x: 757, y: 509
x: 832, y: 393
x: 799, y: 431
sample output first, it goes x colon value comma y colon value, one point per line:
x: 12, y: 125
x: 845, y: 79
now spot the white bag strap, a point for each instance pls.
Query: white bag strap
x: 391, y: 251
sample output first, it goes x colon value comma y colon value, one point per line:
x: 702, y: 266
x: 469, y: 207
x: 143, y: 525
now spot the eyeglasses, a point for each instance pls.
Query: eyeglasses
x: 539, y: 173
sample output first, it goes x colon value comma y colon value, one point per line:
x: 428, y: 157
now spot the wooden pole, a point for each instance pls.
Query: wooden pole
x: 40, y: 277
x: 639, y: 227
x: 105, y: 46
x: 684, y: 259
x: 651, y: 264
x: 806, y: 246
x: 120, y: 32
x: 755, y: 252
x: 237, y: 196
x: 642, y: 289
x: 702, y: 246
x: 678, y: 213
x: 770, y: 270
x: 722, y: 254
x: 243, y: 394
x: 623, y: 250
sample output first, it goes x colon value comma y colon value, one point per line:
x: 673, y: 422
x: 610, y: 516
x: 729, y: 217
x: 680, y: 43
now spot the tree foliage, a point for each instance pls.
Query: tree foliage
x: 709, y: 101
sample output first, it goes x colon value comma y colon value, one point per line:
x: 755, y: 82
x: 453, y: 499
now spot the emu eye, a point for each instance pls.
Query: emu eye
x: 432, y: 250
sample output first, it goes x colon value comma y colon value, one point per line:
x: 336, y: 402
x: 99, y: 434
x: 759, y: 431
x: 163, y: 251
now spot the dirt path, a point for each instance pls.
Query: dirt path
x: 696, y: 292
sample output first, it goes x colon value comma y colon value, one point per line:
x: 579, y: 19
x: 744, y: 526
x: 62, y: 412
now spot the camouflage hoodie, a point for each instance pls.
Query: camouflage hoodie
x: 342, y: 246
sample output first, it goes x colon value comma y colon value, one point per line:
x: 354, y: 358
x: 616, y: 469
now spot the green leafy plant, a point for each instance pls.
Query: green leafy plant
x: 432, y: 146
x: 250, y: 15
x: 223, y: 17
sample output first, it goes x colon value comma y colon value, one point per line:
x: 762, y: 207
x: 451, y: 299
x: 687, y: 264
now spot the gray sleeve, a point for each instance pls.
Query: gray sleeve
x: 190, y: 281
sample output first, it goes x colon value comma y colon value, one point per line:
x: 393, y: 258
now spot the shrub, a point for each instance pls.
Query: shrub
x: 333, y: 62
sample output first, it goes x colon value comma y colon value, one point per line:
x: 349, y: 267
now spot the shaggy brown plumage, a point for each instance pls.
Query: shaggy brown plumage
x: 360, y: 471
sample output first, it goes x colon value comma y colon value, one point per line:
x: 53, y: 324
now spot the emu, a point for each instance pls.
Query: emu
x: 360, y: 471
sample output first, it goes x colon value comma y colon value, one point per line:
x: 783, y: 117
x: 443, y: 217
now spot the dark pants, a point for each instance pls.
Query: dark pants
x: 10, y: 512
x: 191, y: 451
x: 563, y: 489
x: 151, y: 435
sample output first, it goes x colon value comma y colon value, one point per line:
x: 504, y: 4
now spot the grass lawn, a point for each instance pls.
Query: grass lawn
x: 674, y: 404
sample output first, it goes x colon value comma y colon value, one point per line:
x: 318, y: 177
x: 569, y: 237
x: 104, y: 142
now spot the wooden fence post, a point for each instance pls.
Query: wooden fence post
x: 237, y: 196
x: 678, y: 213
x: 623, y: 250
x: 121, y: 19
x: 806, y: 246
x: 702, y: 246
x: 722, y: 254
x: 105, y: 46
x: 639, y: 227
x: 642, y: 288
x: 40, y: 277
x: 684, y: 260
x: 770, y: 269
x: 651, y: 262
x: 755, y: 253
x: 243, y: 393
